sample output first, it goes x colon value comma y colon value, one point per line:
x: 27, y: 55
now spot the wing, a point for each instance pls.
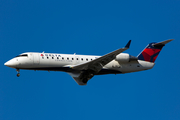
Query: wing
x: 87, y: 70
x: 97, y: 64
x: 76, y: 77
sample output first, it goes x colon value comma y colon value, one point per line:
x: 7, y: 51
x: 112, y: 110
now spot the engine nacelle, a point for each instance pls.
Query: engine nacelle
x: 124, y: 57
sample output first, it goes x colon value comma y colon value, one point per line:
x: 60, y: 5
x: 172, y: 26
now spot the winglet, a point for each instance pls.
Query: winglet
x: 128, y: 44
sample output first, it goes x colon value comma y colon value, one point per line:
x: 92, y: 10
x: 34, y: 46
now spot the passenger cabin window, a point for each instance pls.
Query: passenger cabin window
x: 52, y: 57
x: 67, y: 58
x: 57, y: 57
x: 82, y: 59
x: 72, y: 58
x: 86, y: 59
x: 47, y: 57
x: 62, y: 58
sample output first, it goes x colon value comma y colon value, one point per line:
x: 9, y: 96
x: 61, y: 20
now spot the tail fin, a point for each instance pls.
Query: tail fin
x: 151, y: 52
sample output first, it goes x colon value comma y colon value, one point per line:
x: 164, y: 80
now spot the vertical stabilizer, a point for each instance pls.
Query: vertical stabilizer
x: 152, y: 50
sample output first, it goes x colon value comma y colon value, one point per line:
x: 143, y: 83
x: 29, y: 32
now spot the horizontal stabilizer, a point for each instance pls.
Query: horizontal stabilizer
x: 162, y: 43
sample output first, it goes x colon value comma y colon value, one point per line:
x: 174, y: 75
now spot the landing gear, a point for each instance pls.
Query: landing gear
x: 18, y: 74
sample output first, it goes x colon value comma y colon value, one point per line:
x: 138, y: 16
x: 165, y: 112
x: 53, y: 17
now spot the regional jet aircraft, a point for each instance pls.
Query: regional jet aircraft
x: 83, y: 67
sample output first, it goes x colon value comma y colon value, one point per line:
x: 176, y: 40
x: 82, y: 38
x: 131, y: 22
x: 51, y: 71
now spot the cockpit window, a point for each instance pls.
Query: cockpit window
x: 22, y: 55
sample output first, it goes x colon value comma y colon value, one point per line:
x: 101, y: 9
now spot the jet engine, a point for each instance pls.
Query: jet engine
x: 124, y: 57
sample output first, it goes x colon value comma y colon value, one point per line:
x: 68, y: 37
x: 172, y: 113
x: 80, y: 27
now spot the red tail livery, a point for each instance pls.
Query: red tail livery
x: 151, y: 52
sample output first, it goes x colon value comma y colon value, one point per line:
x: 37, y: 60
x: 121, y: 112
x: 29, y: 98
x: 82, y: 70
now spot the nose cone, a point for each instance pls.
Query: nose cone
x: 6, y: 64
x: 11, y: 63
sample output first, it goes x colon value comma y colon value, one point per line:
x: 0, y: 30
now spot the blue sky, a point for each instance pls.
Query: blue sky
x: 94, y: 28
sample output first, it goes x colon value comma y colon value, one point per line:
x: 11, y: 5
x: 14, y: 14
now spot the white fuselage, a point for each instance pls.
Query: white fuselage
x: 83, y: 67
x: 64, y: 62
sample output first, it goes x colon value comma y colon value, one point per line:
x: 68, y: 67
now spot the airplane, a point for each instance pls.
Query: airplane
x: 83, y: 67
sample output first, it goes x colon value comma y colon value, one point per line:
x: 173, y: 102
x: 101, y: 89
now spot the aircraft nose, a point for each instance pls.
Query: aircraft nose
x: 6, y: 63
x: 10, y: 63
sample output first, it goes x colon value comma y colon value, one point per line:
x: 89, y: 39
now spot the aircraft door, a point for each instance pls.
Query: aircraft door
x: 36, y: 58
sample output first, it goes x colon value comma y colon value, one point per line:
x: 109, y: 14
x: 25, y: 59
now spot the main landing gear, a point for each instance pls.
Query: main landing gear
x: 18, y: 74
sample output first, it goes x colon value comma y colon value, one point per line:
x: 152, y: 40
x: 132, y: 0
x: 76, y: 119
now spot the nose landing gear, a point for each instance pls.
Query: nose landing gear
x: 18, y: 74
